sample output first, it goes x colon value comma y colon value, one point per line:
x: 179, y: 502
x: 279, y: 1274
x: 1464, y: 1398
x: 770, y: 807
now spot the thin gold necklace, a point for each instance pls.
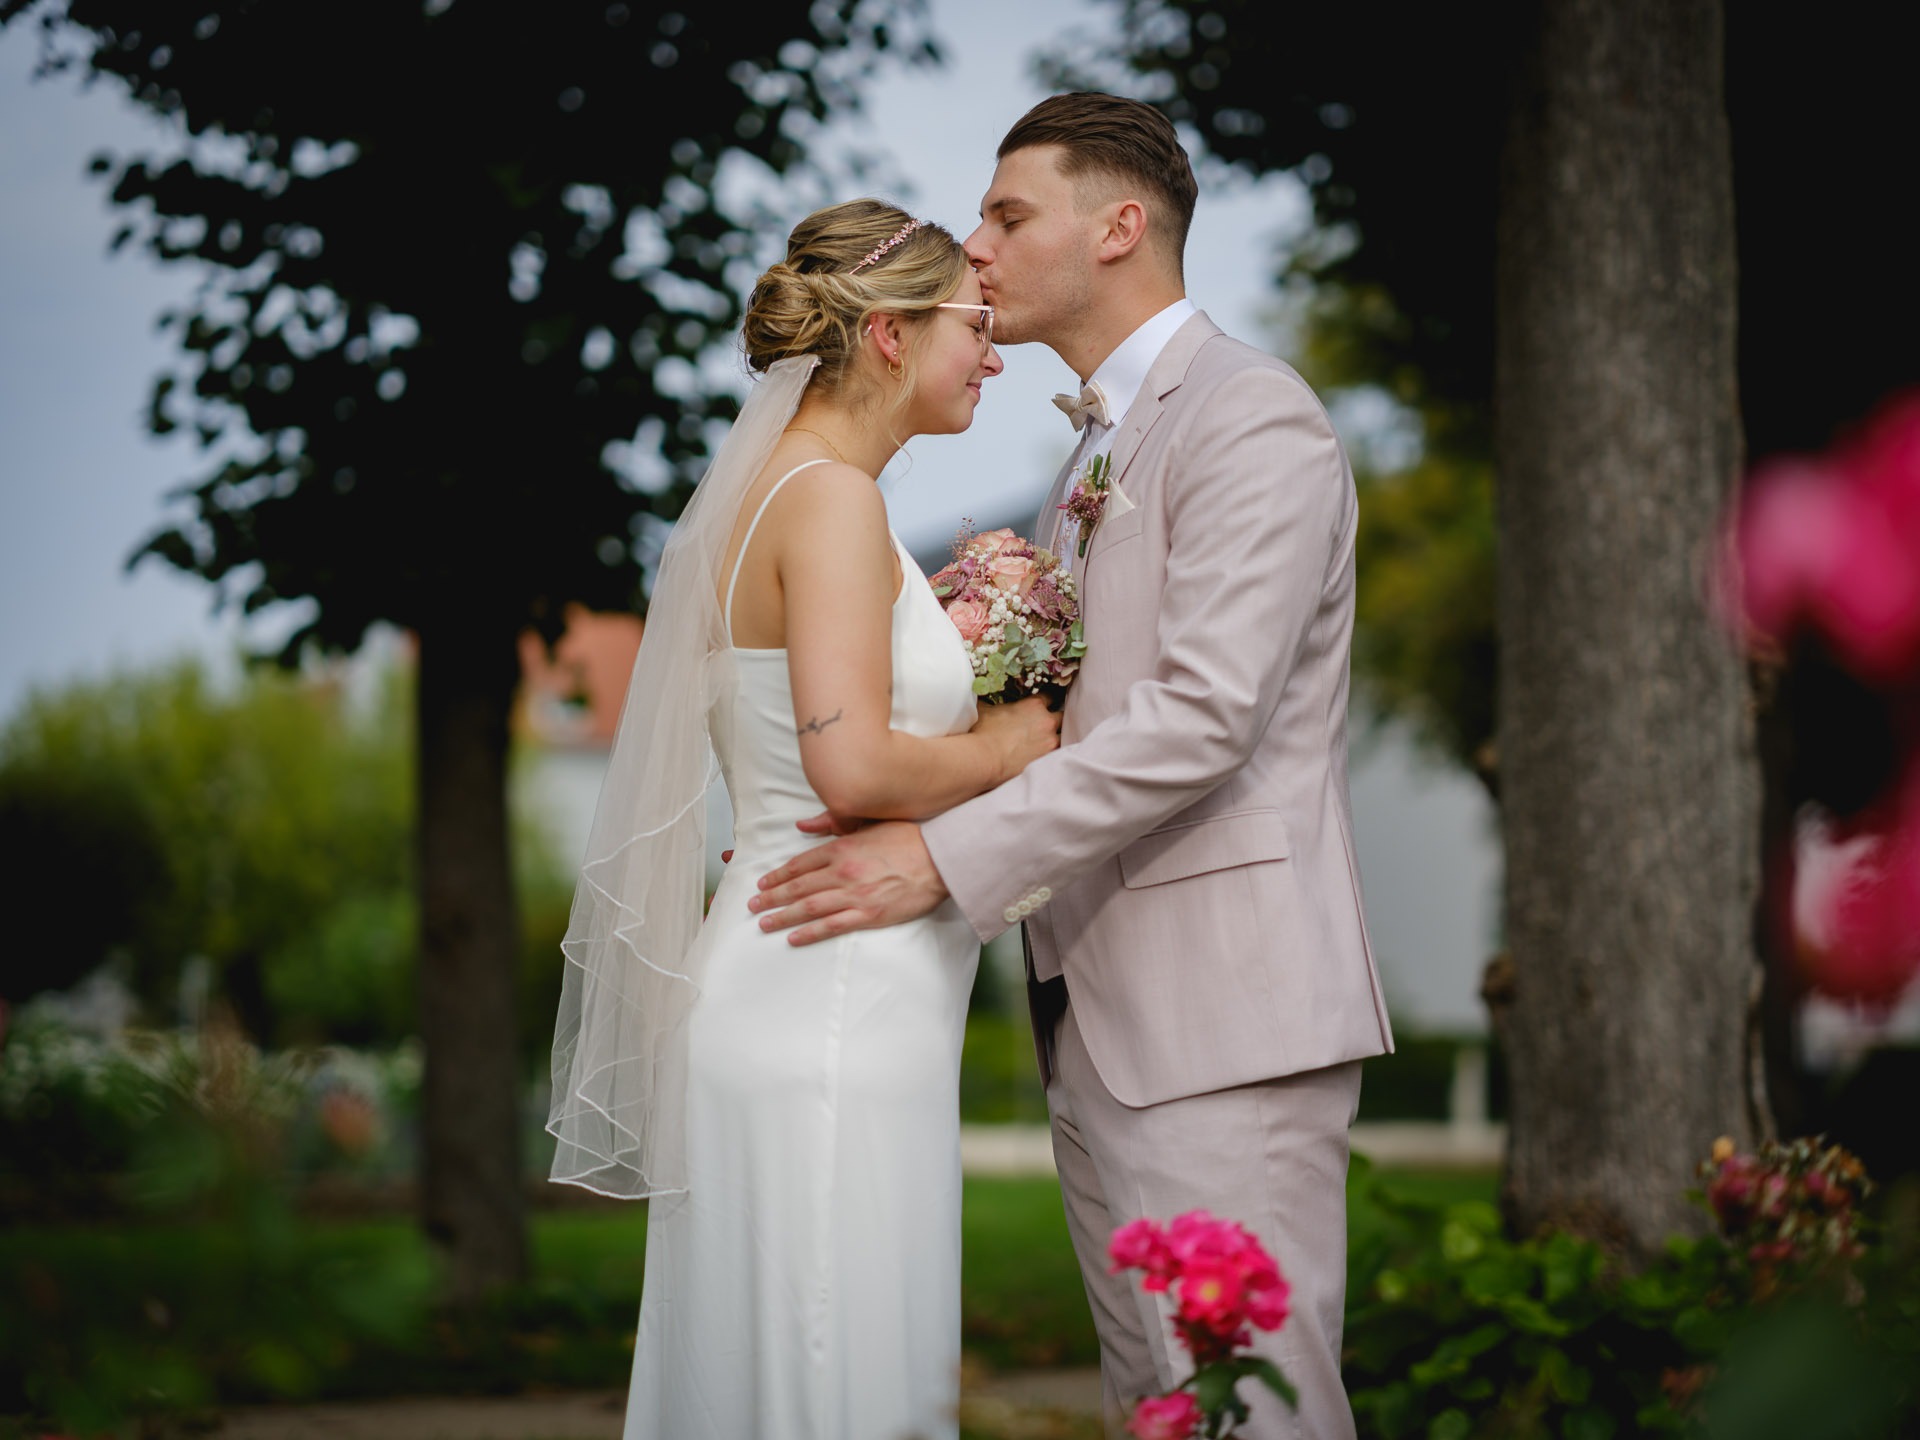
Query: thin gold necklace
x: 803, y: 430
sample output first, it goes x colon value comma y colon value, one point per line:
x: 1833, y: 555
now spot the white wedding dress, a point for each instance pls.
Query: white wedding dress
x: 806, y: 1286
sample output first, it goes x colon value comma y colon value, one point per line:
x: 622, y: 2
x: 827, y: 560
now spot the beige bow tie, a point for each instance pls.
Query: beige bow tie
x: 1090, y: 404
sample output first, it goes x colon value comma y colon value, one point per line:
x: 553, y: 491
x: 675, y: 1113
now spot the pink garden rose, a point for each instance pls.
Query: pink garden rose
x: 994, y: 541
x: 969, y: 617
x: 1165, y: 1417
x: 1013, y: 573
x: 1223, y: 1284
x: 1139, y: 1245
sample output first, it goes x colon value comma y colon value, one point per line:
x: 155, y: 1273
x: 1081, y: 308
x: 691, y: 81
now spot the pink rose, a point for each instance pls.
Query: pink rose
x: 1213, y: 1298
x: 969, y: 617
x: 1011, y: 572
x: 1268, y: 1298
x: 1140, y: 1245
x: 992, y: 543
x: 1165, y: 1417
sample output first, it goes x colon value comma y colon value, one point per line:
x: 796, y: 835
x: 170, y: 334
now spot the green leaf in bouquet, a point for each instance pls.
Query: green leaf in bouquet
x: 940, y: 592
x: 993, y: 679
x: 1012, y: 633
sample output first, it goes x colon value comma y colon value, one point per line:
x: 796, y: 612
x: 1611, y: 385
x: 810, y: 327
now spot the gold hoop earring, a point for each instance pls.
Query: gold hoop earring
x: 897, y: 369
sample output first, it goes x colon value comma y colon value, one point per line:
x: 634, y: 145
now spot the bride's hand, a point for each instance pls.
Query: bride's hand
x: 1020, y: 733
x: 828, y: 823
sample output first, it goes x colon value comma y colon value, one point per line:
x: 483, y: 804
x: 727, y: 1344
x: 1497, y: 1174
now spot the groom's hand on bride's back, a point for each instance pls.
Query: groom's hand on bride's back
x: 879, y: 874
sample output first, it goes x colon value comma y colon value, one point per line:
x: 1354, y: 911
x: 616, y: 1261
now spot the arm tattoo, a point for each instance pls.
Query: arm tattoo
x: 816, y: 725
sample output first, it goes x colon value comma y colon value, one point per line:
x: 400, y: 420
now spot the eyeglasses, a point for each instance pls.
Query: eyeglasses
x: 984, y: 329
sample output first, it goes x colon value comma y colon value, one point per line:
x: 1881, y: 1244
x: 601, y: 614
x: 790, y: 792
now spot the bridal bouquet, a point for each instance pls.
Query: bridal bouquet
x: 1017, y: 611
x: 1226, y: 1286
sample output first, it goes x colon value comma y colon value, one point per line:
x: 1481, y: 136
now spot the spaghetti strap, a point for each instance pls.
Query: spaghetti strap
x: 747, y: 539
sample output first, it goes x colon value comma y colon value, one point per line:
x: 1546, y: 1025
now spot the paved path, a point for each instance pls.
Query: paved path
x: 1040, y: 1403
x: 1028, y: 1149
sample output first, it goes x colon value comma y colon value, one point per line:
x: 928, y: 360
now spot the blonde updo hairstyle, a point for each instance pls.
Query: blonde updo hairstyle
x: 811, y: 303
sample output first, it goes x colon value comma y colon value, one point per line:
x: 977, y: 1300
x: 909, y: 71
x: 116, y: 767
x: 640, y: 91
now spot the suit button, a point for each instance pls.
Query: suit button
x: 1043, y: 894
x: 1010, y: 914
x: 1025, y: 907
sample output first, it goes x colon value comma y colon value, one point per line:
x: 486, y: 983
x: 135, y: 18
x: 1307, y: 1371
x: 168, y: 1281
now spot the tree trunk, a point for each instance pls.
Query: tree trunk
x: 473, y: 1205
x: 1628, y: 782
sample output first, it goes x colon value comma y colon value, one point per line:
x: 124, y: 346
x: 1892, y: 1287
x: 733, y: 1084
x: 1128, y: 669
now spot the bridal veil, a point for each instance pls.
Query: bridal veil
x: 620, y: 1042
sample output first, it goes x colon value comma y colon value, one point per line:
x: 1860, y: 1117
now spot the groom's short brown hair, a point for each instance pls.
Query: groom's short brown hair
x: 1129, y: 140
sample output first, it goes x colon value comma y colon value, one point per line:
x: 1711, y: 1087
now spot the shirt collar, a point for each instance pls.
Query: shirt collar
x: 1122, y: 373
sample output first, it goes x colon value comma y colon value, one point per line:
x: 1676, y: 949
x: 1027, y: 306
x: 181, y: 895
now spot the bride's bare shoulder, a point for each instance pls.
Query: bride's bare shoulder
x: 826, y: 492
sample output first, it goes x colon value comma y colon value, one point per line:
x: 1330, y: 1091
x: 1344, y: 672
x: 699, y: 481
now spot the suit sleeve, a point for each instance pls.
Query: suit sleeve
x: 1257, y: 508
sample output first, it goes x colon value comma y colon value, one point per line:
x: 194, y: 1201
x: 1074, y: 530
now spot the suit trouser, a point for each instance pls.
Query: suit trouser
x: 1271, y: 1156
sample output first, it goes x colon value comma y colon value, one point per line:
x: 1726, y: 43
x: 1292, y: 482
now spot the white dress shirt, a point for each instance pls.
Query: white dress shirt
x: 1118, y: 380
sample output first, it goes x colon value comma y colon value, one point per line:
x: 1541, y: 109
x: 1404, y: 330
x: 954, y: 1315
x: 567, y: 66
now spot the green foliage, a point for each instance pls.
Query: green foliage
x: 999, y: 1082
x: 267, y: 828
x: 1454, y: 1330
x: 1415, y: 1082
x: 220, y: 1294
x: 77, y: 1113
x: 1425, y: 642
x: 249, y: 817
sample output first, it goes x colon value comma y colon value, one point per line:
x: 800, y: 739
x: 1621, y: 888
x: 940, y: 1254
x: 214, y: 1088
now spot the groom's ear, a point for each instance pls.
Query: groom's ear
x: 1125, y: 229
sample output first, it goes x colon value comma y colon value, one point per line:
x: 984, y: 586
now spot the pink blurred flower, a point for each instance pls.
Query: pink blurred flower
x: 1269, y: 1298
x: 1734, y: 1190
x: 1855, y: 906
x: 1832, y: 545
x: 1165, y: 1417
x: 1223, y: 1282
x: 350, y: 1121
x: 1141, y: 1245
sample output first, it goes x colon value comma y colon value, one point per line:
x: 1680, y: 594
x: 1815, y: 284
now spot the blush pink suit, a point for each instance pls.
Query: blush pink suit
x: 1185, y: 861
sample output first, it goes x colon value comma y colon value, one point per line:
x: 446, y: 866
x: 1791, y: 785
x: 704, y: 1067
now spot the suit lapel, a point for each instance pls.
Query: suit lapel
x: 1047, y: 523
x: 1169, y: 370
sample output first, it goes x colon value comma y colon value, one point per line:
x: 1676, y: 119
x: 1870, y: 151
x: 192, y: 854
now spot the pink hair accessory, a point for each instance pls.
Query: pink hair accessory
x: 873, y: 255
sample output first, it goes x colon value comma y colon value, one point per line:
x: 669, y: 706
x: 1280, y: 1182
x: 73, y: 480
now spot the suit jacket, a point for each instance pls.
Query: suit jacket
x: 1186, y: 857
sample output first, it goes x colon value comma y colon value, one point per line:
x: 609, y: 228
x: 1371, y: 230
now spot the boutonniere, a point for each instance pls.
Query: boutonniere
x: 1087, y: 501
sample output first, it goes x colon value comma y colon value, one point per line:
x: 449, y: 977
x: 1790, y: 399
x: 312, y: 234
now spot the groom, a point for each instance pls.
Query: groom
x: 1183, y: 866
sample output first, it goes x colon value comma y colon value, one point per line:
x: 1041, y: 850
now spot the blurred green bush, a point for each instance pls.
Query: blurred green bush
x: 248, y: 844
x: 1457, y: 1332
x: 217, y: 1291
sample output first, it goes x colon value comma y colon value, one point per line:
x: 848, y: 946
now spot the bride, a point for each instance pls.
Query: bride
x: 792, y: 1113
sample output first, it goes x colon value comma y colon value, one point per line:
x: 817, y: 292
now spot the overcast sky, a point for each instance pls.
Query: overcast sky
x: 81, y: 483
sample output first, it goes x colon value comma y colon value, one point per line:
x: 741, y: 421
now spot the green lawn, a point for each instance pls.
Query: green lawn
x: 278, y: 1307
